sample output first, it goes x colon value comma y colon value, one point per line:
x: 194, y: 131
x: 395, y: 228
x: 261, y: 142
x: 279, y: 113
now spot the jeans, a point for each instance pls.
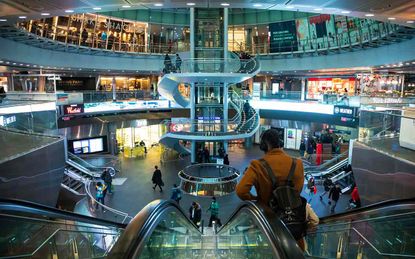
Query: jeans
x: 100, y: 200
x: 334, y: 205
x: 109, y: 186
x: 216, y: 219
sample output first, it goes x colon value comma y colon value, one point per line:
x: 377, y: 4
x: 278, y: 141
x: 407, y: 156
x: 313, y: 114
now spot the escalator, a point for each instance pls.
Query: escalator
x: 162, y: 230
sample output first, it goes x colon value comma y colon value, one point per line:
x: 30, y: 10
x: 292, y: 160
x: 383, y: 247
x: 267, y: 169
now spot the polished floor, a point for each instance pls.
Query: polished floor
x: 133, y: 187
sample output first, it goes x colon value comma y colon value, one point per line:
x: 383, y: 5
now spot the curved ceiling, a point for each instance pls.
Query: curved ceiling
x: 397, y: 11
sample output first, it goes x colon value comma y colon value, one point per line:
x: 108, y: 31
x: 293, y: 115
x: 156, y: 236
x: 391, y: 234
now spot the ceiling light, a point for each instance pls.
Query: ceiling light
x: 224, y: 4
x: 369, y: 15
x: 158, y: 4
x: 68, y: 11
x: 257, y: 5
x: 290, y: 7
x: 3, y: 20
x: 407, y: 64
x: 391, y: 18
x: 318, y: 9
x: 45, y: 14
x: 345, y: 12
x: 22, y: 17
x: 126, y: 6
x: 97, y: 8
x: 395, y: 65
x: 382, y: 66
x: 190, y: 4
x: 14, y: 63
x: 409, y: 21
x: 413, y: 62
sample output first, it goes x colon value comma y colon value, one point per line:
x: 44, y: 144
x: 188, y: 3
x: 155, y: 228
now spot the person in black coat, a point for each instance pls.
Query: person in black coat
x: 157, y: 180
x: 107, y: 178
x: 334, y: 195
x: 226, y: 159
x: 195, y: 213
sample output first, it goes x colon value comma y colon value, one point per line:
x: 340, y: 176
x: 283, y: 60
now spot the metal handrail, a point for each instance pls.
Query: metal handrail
x: 73, y: 157
x: 90, y: 196
x: 235, y: 174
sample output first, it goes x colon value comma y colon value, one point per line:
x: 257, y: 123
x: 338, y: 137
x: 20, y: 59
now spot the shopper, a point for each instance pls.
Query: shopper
x: 143, y: 144
x: 157, y: 180
x: 99, y: 195
x: 111, y: 40
x: 84, y: 36
x: 334, y: 195
x: 178, y: 64
x: 176, y: 194
x: 310, y: 150
x: 195, y: 213
x: 327, y: 184
x: 279, y: 162
x: 214, y: 213
x: 107, y: 178
x: 2, y: 93
x: 167, y: 64
x: 355, y: 201
x: 221, y: 152
x: 302, y: 148
x: 206, y: 155
x: 226, y: 159
x: 312, y: 189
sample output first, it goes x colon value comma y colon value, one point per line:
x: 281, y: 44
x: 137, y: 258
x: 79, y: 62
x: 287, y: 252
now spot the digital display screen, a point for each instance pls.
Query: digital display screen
x: 87, y: 146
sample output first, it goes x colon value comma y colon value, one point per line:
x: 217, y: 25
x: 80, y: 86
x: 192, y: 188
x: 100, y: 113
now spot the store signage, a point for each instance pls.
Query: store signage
x: 6, y: 121
x: 73, y: 109
x: 345, y: 111
x: 54, y: 77
x: 120, y: 106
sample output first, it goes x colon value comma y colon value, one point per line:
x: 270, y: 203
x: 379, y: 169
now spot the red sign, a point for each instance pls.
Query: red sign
x: 319, y: 18
x: 73, y: 109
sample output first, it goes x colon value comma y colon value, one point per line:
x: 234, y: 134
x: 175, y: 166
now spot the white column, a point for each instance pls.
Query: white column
x: 225, y: 37
x: 303, y: 93
x: 114, y: 94
x: 192, y: 33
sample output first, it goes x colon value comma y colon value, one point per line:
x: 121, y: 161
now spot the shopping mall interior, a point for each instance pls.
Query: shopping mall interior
x: 100, y: 98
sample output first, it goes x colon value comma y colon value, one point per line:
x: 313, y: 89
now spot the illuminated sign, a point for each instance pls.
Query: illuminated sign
x: 126, y: 106
x: 73, y: 109
x: 275, y: 105
x: 345, y: 111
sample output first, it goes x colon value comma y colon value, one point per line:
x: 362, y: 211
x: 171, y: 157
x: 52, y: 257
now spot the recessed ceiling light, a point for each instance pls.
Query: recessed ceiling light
x: 409, y: 21
x: 369, y: 15
x: 190, y: 4
x: 126, y: 6
x: 413, y: 62
x: 22, y: 17
x: 345, y: 12
x: 391, y: 18
x: 395, y: 65
x: 68, y: 11
x: 97, y: 8
x: 14, y: 63
x: 21, y: 64
x: 407, y: 64
x: 318, y: 9
x: 3, y: 20
x: 45, y: 14
x: 290, y: 7
x: 158, y: 4
x: 382, y: 66
x: 224, y: 4
x: 257, y: 5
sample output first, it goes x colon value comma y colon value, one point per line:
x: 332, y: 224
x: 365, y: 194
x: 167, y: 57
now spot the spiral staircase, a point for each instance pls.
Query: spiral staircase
x: 242, y: 125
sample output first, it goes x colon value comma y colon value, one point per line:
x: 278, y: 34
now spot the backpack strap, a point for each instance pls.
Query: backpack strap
x: 292, y: 169
x: 269, y: 171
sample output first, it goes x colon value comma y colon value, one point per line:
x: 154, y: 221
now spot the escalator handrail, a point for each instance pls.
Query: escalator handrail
x: 366, y: 209
x: 15, y: 205
x: 279, y: 236
x: 132, y: 242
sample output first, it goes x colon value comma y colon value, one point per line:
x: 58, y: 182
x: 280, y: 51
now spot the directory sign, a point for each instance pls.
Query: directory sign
x: 283, y: 37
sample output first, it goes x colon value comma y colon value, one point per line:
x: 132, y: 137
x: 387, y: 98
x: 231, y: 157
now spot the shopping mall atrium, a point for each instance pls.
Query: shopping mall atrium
x: 136, y: 129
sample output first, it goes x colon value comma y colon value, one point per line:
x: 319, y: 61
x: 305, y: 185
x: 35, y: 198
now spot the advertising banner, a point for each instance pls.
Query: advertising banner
x: 73, y: 109
x: 283, y: 37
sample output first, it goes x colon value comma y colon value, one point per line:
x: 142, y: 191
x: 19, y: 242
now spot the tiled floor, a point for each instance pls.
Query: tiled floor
x: 136, y: 191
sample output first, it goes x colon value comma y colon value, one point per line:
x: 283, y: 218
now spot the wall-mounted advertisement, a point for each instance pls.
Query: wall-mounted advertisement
x: 303, y: 34
x: 283, y: 37
x: 292, y: 138
x: 88, y: 146
x: 275, y: 88
x: 322, y: 31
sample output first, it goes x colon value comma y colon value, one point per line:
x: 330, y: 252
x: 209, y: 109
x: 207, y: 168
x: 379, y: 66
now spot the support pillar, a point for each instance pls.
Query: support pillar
x: 303, y: 92
x: 192, y: 33
x: 114, y: 86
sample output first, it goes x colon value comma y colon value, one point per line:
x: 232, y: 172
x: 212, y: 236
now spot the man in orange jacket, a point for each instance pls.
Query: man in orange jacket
x: 280, y: 164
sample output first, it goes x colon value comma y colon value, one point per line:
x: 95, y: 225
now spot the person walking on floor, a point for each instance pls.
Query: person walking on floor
x: 302, y: 148
x: 226, y: 159
x: 99, y: 195
x: 214, y: 213
x: 312, y: 189
x: 334, y: 195
x: 157, y: 180
x: 327, y: 184
x: 195, y: 213
x: 178, y: 64
x: 176, y: 194
x: 107, y: 178
x: 355, y: 201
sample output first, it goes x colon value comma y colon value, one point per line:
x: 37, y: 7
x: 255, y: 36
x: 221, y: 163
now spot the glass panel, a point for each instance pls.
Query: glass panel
x: 243, y: 238
x: 173, y: 237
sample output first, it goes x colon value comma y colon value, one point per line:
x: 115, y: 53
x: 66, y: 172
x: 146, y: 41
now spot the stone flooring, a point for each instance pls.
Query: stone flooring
x: 136, y: 191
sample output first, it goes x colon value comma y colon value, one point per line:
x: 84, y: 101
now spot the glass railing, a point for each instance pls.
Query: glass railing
x: 290, y: 95
x: 95, y: 171
x: 106, y: 96
x: 35, y: 231
x: 389, y: 131
x: 386, y: 234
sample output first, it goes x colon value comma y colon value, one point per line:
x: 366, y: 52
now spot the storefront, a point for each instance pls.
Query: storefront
x: 3, y: 83
x: 124, y: 83
x: 316, y: 87
x: 379, y: 85
x: 130, y: 140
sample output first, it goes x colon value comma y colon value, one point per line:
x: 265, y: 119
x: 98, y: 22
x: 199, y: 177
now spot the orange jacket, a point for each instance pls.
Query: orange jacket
x: 256, y: 175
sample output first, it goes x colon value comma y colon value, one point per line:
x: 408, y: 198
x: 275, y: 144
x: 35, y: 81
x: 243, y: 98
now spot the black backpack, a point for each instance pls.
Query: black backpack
x: 287, y: 203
